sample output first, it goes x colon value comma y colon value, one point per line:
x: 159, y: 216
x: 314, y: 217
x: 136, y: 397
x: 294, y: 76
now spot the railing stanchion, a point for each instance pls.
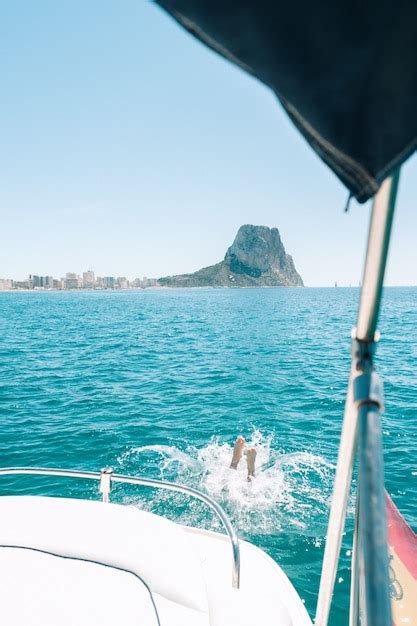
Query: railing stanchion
x: 105, y: 483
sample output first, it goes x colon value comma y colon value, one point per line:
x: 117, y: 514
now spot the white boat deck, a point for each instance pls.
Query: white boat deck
x: 86, y: 563
x: 265, y: 596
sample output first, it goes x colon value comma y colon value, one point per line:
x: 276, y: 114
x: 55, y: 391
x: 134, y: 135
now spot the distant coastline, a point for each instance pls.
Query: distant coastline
x: 256, y: 258
x: 179, y: 289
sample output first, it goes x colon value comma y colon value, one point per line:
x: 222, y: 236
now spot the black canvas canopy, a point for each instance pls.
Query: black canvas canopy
x: 345, y: 72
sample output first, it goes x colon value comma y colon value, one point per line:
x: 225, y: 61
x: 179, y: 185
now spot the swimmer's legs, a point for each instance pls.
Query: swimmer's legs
x: 237, y: 452
x: 250, y: 461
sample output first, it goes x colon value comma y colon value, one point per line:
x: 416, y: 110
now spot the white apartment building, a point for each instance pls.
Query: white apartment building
x: 89, y: 280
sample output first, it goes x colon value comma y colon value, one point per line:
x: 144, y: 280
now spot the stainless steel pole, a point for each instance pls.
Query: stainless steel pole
x: 354, y: 577
x: 376, y: 256
x: 372, y: 527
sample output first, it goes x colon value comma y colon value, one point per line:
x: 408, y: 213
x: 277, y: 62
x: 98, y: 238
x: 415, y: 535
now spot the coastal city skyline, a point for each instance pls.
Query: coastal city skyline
x: 72, y: 280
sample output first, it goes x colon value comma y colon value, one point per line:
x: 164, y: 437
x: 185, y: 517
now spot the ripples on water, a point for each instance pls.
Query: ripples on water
x: 160, y: 383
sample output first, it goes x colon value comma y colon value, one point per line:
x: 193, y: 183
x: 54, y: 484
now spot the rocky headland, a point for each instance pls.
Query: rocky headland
x: 257, y: 258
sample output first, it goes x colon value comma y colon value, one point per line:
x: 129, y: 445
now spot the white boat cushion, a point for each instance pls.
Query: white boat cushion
x: 37, y: 589
x: 153, y: 548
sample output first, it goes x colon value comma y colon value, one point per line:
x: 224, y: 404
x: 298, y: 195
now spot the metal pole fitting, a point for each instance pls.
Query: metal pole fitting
x: 367, y: 385
x: 363, y: 350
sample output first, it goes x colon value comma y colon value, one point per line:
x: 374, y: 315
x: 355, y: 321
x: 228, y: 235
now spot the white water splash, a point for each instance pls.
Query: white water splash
x: 289, y: 490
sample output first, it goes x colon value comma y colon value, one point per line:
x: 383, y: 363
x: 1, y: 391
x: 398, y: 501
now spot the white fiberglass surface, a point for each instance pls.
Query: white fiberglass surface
x: 39, y: 589
x: 149, y: 546
x: 266, y: 596
x: 186, y: 573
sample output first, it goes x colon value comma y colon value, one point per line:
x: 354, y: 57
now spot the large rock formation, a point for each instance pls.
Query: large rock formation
x: 257, y: 258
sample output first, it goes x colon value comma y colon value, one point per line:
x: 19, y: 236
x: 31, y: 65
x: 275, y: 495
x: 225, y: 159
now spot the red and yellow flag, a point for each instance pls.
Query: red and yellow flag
x: 402, y: 541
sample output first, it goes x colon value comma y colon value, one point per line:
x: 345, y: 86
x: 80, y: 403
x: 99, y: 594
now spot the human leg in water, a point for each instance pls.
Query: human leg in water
x: 250, y: 457
x: 237, y: 452
x: 250, y: 462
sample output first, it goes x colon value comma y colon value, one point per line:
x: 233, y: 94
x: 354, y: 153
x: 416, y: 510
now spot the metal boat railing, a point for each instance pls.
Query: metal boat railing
x: 106, y: 477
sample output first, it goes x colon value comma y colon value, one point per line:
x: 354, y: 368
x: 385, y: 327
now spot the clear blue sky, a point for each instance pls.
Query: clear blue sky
x: 128, y: 147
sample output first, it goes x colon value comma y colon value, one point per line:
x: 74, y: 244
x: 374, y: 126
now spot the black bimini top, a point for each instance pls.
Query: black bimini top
x: 345, y: 72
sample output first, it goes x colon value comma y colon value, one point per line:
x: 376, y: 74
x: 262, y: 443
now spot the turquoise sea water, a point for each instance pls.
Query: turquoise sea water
x: 159, y: 383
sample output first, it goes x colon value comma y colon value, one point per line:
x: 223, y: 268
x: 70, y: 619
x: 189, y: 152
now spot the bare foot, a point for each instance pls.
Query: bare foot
x: 237, y: 452
x: 250, y: 460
